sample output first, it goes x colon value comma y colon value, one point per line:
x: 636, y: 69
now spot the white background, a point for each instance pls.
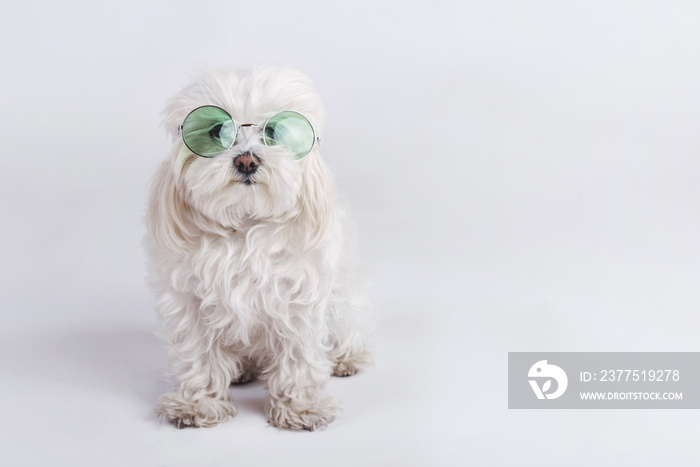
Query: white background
x: 524, y: 176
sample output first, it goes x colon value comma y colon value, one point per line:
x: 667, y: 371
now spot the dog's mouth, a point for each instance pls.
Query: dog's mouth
x: 241, y: 179
x: 248, y: 180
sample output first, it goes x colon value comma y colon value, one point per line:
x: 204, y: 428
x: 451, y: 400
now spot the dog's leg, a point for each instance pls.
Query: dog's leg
x: 350, y: 332
x: 295, y: 380
x: 350, y: 354
x: 203, y: 398
x: 203, y: 367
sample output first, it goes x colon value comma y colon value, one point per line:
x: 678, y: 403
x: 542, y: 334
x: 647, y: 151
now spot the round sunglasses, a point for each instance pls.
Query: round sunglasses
x: 209, y: 131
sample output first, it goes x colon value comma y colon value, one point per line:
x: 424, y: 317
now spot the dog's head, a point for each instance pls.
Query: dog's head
x: 249, y: 180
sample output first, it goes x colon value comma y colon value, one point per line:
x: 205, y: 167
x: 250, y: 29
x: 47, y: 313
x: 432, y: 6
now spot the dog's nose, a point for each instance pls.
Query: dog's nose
x: 246, y: 163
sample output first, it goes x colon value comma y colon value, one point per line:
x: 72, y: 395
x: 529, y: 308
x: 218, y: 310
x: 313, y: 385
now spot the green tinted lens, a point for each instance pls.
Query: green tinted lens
x: 292, y: 130
x: 208, y: 131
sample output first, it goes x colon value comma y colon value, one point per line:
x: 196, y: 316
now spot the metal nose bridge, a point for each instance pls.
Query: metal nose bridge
x: 246, y: 125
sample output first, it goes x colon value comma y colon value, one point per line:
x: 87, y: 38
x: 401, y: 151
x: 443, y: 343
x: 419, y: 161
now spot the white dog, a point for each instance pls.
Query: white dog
x: 251, y: 256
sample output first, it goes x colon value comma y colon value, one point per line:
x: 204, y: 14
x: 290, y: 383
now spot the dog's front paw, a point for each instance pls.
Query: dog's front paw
x: 204, y: 412
x: 294, y: 415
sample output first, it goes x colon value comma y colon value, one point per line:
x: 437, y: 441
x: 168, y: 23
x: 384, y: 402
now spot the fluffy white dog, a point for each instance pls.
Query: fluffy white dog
x: 253, y: 260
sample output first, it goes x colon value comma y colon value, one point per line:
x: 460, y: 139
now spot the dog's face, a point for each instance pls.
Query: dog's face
x: 250, y: 181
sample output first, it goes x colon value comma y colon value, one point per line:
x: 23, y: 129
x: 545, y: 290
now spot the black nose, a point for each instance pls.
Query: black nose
x: 246, y: 163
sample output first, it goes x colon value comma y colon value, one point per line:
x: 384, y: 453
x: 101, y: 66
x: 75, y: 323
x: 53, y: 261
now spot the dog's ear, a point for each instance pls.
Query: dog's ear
x: 169, y: 218
x: 317, y: 216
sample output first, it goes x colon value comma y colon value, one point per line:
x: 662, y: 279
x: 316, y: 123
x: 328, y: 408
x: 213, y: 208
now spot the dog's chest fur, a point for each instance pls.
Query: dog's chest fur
x: 247, y: 281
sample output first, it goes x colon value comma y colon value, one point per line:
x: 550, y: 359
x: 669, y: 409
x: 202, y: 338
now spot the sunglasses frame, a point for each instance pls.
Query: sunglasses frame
x: 237, y: 126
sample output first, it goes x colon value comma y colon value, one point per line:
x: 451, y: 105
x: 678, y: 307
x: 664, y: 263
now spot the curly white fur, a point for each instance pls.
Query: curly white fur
x: 253, y: 279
